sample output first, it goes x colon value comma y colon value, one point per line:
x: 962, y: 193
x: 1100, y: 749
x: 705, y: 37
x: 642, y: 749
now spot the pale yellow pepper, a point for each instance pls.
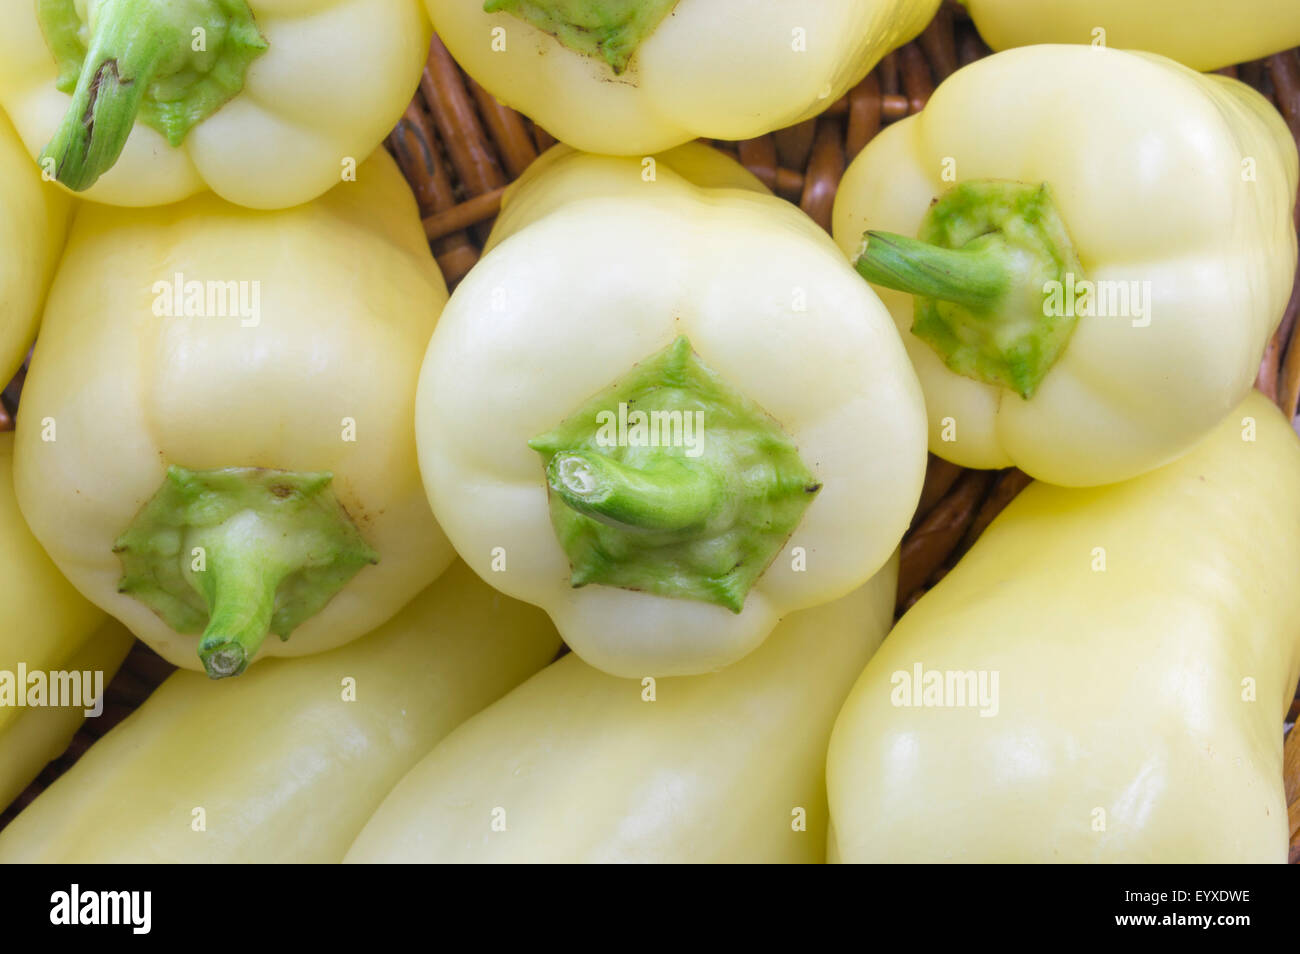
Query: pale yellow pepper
x: 32, y: 230
x: 216, y: 439
x: 34, y: 736
x: 675, y: 288
x: 286, y: 763
x: 1106, y: 246
x: 1204, y: 34
x: 267, y: 103
x: 579, y: 766
x: 633, y: 77
x: 1102, y: 678
x: 45, y: 626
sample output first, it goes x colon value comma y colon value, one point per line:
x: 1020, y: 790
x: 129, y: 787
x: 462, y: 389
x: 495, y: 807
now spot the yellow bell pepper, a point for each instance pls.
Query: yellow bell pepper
x: 1101, y: 679
x: 33, y: 737
x: 578, y: 766
x: 1204, y: 34
x: 633, y: 77
x: 45, y: 627
x: 216, y: 436
x: 664, y: 409
x: 1100, y: 244
x: 268, y: 104
x: 32, y: 231
x: 288, y: 763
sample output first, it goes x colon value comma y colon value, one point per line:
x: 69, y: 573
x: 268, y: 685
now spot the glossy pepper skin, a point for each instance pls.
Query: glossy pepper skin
x: 284, y: 767
x: 602, y: 293
x: 292, y: 410
x: 647, y: 76
x: 1138, y: 705
x: 32, y: 230
x: 1176, y: 199
x: 1203, y: 34
x: 45, y: 625
x: 578, y: 766
x: 261, y: 102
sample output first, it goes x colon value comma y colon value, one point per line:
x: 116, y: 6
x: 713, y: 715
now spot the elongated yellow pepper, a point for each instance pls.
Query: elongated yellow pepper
x: 216, y: 440
x: 45, y: 626
x: 633, y: 77
x: 266, y: 103
x: 1204, y: 34
x: 286, y: 764
x: 30, y: 738
x: 1101, y: 679
x: 579, y: 766
x: 664, y: 409
x: 1099, y: 244
x: 32, y: 231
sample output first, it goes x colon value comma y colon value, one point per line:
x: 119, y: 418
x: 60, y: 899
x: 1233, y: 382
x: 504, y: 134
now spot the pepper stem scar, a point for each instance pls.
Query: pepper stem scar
x: 655, y: 518
x: 987, y: 253
x: 238, y: 553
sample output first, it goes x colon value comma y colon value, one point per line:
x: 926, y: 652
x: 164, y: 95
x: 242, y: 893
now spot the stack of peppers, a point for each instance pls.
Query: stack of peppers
x: 666, y: 409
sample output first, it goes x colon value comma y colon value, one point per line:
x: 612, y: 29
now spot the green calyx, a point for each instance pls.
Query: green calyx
x: 238, y: 553
x: 983, y: 270
x: 169, y: 63
x: 672, y: 482
x: 609, y: 29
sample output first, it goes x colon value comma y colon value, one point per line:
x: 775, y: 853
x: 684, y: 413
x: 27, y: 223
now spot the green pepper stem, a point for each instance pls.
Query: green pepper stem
x: 987, y: 255
x: 673, y: 514
x: 238, y: 552
x: 242, y: 606
x: 167, y: 63
x: 977, y: 278
x: 673, y: 496
x: 132, y: 42
x: 243, y: 571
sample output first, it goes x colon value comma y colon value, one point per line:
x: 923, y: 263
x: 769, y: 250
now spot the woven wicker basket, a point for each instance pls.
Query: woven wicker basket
x: 459, y: 148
